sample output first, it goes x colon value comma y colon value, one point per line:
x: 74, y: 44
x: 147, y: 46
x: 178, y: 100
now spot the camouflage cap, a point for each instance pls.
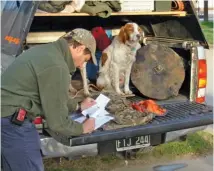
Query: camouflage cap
x: 85, y: 37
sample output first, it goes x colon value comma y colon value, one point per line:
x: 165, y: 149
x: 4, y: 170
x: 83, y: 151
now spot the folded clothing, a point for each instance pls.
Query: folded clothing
x: 100, y: 35
x: 100, y: 8
x: 149, y: 106
x: 101, y: 38
x: 53, y: 6
x: 91, y: 69
x: 61, y: 6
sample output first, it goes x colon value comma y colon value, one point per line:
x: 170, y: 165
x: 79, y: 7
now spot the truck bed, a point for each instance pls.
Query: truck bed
x: 180, y: 98
x: 182, y: 114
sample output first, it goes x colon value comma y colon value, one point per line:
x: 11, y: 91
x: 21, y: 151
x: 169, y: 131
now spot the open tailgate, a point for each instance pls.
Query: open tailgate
x: 181, y: 115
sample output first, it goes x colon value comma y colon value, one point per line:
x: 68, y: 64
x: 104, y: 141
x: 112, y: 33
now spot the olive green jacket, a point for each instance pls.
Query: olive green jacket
x: 53, y: 6
x: 38, y: 81
x: 101, y: 8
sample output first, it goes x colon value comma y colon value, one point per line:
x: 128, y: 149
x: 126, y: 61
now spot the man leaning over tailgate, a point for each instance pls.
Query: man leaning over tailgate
x: 37, y: 84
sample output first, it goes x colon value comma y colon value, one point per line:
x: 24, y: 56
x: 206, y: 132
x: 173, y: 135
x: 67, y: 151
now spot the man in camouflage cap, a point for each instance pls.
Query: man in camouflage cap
x: 85, y: 38
x: 38, y: 83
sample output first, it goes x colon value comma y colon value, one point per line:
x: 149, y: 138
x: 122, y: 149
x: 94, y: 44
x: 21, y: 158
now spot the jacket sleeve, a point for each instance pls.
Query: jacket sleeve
x: 53, y: 89
x: 72, y: 104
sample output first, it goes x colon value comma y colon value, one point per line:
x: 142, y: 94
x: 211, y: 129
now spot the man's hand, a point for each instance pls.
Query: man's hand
x: 88, y: 102
x: 88, y: 125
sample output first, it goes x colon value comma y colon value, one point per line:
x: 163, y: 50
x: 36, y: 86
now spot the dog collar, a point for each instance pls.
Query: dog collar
x: 133, y: 49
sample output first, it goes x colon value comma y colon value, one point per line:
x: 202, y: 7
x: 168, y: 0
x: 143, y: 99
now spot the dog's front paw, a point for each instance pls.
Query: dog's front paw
x: 120, y: 92
x: 128, y: 92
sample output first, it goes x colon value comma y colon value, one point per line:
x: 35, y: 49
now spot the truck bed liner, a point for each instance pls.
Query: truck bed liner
x: 181, y: 115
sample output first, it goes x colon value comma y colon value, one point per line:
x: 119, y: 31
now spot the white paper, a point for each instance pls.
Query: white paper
x: 98, y: 108
x: 98, y: 111
x: 102, y: 101
x: 101, y: 120
x: 91, y: 112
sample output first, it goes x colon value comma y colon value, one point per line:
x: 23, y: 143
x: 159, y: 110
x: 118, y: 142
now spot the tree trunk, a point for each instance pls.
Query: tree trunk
x: 206, y: 10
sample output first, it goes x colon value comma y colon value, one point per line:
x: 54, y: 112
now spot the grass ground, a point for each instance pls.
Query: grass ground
x: 207, y: 28
x: 197, y: 144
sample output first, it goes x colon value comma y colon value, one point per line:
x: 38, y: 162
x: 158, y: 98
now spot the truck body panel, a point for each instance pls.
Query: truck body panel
x: 185, y: 37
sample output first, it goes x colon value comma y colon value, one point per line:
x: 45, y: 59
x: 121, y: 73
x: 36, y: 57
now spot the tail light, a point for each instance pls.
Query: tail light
x: 202, y: 75
x: 38, y: 120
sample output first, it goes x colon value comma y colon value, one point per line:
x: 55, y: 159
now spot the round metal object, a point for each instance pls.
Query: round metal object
x: 158, y: 72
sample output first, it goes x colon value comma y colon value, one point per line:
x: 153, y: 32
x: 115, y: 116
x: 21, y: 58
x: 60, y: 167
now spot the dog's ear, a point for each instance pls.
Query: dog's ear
x: 123, y: 35
x: 104, y: 58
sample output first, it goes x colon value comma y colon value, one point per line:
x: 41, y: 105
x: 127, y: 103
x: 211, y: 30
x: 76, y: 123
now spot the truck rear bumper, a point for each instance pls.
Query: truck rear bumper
x: 51, y: 148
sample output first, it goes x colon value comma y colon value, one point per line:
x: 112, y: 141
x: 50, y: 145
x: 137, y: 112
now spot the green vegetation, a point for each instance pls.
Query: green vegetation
x: 196, y: 144
x: 207, y: 28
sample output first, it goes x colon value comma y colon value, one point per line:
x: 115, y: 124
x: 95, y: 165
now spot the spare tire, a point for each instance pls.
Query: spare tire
x: 158, y: 72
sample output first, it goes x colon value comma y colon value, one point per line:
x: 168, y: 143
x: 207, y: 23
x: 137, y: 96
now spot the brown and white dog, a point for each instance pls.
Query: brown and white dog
x: 117, y: 59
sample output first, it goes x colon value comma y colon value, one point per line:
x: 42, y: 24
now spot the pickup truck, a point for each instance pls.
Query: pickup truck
x: 23, y: 25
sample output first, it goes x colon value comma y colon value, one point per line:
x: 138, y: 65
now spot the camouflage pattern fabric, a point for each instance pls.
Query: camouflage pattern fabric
x: 86, y: 38
x: 120, y: 108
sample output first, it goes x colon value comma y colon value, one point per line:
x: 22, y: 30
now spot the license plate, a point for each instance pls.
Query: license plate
x: 133, y: 143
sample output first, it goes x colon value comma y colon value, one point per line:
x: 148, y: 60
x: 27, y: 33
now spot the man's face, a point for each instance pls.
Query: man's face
x: 79, y: 57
